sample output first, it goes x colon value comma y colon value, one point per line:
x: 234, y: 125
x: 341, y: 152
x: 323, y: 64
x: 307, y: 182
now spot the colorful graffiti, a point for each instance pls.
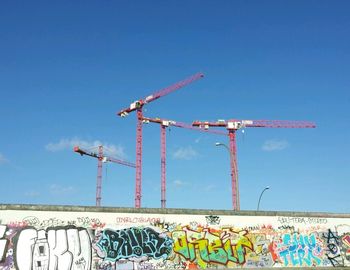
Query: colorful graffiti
x: 205, y: 246
x: 134, y: 243
x: 299, y: 249
x: 48, y: 241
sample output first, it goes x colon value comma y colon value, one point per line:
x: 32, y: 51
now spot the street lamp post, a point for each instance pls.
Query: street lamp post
x: 262, y: 192
x: 234, y: 177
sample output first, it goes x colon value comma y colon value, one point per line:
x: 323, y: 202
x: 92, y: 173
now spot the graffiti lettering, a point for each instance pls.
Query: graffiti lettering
x: 164, y: 226
x: 302, y: 220
x: 31, y: 221
x: 334, y: 260
x: 134, y: 243
x: 252, y: 228
x: 71, y: 223
x: 147, y: 266
x: 331, y: 237
x: 284, y: 220
x: 89, y: 222
x: 106, y: 266
x: 52, y: 222
x: 286, y: 227
x: 206, y: 247
x: 59, y: 248
x: 261, y: 245
x: 35, y: 222
x: 317, y: 220
x: 17, y: 224
x: 48, y: 240
x: 137, y: 220
x: 333, y: 252
x: 297, y: 249
x: 213, y: 220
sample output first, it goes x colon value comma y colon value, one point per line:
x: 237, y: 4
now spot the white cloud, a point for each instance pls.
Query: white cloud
x: 275, y: 145
x: 3, y: 160
x: 210, y: 187
x: 68, y: 144
x: 32, y: 193
x: 186, y: 153
x: 59, y: 190
x: 179, y: 183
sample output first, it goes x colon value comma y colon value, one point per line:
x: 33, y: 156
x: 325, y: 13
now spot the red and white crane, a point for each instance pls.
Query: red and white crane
x: 232, y: 126
x: 101, y: 158
x: 137, y: 106
x: 164, y: 123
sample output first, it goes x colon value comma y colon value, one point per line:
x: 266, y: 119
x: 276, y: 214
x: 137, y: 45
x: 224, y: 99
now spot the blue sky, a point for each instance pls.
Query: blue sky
x: 67, y: 67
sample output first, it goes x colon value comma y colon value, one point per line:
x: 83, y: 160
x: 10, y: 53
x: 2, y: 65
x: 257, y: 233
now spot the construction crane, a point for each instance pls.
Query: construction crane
x: 232, y: 126
x: 101, y: 159
x: 137, y: 106
x: 164, y: 123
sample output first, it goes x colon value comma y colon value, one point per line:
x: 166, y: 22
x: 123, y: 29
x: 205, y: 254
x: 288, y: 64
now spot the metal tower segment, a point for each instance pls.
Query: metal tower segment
x: 99, y: 176
x: 138, y: 185
x: 234, y: 172
x: 163, y: 164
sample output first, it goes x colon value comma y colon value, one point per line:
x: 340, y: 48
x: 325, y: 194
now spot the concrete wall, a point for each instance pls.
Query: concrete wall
x: 66, y: 237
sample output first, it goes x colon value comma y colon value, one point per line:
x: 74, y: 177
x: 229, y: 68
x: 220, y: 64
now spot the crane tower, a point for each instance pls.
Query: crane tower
x: 164, y: 123
x: 101, y: 159
x: 137, y: 106
x: 232, y: 126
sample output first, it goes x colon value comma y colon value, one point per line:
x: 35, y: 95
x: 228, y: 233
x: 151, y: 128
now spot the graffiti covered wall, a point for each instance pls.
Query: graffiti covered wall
x: 42, y: 238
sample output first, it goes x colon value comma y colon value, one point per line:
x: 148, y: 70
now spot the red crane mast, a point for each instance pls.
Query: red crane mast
x: 232, y: 126
x: 164, y: 123
x: 101, y: 158
x: 137, y: 106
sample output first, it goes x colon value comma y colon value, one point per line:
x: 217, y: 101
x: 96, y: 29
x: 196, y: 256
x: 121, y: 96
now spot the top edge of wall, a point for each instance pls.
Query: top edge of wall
x: 179, y: 211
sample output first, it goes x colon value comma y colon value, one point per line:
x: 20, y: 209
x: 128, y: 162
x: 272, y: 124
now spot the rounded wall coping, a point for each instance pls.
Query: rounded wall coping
x: 178, y: 211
